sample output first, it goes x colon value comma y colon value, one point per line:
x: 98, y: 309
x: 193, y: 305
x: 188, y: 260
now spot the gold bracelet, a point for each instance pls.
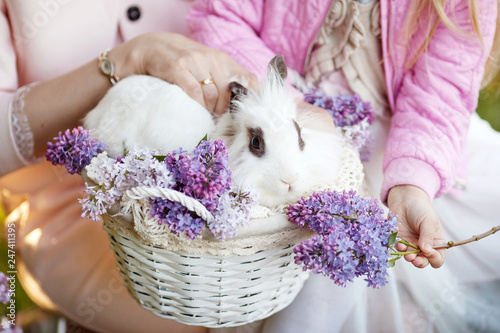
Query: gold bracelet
x: 107, y: 68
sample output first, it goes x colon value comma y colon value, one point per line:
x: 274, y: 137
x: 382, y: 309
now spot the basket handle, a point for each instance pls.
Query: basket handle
x: 144, y: 192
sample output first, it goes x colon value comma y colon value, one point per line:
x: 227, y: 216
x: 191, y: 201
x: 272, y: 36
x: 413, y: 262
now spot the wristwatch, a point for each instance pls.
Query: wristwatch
x: 107, y: 68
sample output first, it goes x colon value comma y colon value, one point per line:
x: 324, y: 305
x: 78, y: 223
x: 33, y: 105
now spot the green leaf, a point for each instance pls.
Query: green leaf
x: 125, y: 150
x: 393, y: 261
x: 160, y: 158
x: 392, y: 239
x: 205, y: 138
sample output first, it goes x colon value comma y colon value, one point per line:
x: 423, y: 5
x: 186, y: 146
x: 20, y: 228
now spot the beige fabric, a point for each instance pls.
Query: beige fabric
x: 343, y: 54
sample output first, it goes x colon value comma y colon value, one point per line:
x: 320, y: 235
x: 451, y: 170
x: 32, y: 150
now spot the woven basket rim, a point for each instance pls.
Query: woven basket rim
x: 239, y: 245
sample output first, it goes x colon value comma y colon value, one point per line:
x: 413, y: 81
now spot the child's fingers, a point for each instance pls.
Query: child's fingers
x: 401, y: 247
x: 435, y: 257
x: 431, y: 234
x: 420, y: 261
x: 410, y: 257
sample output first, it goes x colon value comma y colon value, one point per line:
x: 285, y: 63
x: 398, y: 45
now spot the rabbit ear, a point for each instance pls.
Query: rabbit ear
x: 237, y: 91
x: 277, y: 67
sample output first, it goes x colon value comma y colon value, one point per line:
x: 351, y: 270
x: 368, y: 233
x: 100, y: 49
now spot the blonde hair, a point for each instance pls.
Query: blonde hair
x: 432, y: 12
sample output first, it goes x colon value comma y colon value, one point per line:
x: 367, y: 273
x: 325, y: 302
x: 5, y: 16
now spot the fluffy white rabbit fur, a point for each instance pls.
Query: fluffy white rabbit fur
x: 280, y: 152
x: 150, y: 112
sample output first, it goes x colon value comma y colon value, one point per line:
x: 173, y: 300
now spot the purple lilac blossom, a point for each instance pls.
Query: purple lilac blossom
x: 4, y: 288
x: 73, y: 149
x: 177, y: 217
x: 345, y: 110
x: 352, y: 239
x: 204, y: 175
x: 351, y: 115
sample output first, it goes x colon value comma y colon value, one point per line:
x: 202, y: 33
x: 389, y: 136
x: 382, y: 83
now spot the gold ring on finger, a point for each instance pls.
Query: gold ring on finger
x: 207, y: 81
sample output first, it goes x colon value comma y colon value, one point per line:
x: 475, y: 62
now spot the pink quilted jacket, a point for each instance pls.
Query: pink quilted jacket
x: 431, y: 102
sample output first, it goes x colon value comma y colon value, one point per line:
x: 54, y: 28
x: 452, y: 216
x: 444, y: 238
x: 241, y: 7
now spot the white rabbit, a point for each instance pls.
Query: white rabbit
x: 150, y: 112
x: 280, y: 152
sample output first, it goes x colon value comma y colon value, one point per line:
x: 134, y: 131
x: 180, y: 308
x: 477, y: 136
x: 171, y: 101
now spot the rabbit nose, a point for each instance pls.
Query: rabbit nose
x: 287, y: 184
x: 289, y: 181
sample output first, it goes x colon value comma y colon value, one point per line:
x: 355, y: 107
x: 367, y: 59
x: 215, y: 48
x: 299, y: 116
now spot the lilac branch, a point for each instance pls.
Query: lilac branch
x: 443, y: 246
x: 468, y: 240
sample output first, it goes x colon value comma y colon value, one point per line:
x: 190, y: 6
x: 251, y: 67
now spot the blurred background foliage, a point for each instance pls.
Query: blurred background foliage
x: 489, y: 103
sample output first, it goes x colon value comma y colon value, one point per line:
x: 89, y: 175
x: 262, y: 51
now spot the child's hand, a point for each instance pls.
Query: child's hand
x: 419, y: 225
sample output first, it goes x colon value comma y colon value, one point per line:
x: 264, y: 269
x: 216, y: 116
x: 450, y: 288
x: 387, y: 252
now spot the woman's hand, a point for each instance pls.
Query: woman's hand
x: 184, y: 62
x: 420, y: 225
x: 61, y: 102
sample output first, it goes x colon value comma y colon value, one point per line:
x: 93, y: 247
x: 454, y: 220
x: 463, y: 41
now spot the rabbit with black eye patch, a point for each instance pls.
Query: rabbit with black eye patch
x: 282, y: 152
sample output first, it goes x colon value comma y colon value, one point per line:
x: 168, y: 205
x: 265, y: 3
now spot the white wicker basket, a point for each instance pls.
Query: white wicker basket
x: 204, y: 289
x: 206, y: 282
x: 207, y: 290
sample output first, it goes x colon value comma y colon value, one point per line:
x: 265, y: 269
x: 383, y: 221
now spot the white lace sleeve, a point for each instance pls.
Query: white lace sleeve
x: 21, y: 131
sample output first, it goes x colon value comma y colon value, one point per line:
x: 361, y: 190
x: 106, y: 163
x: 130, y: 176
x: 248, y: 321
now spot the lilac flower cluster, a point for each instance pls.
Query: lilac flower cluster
x: 232, y: 211
x: 73, y: 149
x: 352, y: 238
x: 349, y: 113
x: 345, y: 110
x: 177, y: 217
x: 4, y: 288
x: 360, y: 137
x: 204, y: 175
x: 113, y: 177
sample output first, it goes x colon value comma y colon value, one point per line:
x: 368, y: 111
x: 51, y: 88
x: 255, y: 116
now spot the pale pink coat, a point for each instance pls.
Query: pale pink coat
x: 40, y: 40
x: 67, y: 263
x: 431, y: 102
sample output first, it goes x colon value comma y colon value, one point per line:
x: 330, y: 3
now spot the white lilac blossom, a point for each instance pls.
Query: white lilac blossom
x: 353, y: 236
x: 104, y: 194
x: 7, y: 327
x: 232, y: 211
x: 4, y: 288
x: 140, y: 167
x: 350, y: 114
x: 360, y: 137
x: 113, y: 177
x: 73, y: 149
